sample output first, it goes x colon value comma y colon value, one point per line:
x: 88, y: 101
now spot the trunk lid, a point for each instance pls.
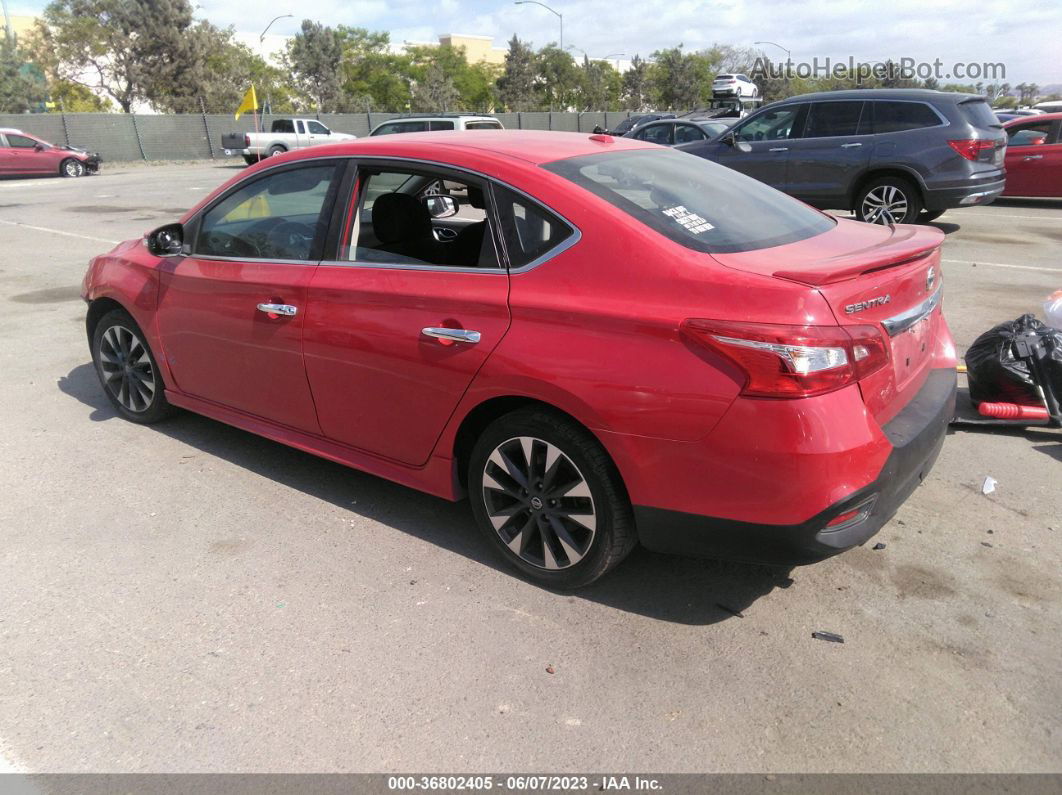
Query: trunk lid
x: 870, y: 275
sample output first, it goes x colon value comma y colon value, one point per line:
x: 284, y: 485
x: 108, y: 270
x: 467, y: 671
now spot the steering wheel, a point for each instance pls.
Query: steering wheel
x: 290, y: 239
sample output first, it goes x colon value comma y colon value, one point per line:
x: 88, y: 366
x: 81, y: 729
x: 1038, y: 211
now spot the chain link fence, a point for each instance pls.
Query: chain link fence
x: 121, y: 137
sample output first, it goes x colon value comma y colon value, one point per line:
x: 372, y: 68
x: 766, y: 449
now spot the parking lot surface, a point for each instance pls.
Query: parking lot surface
x: 189, y: 597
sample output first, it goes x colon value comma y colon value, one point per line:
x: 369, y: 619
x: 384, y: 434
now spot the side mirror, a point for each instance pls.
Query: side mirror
x: 1038, y: 140
x: 441, y: 206
x: 166, y: 241
x: 743, y: 146
x: 38, y: 147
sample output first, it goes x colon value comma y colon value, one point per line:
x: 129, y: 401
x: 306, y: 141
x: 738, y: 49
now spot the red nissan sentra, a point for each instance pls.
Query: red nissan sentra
x: 598, y: 341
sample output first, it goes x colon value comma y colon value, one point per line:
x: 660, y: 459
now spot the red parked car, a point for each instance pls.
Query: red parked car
x: 597, y: 340
x: 1034, y: 156
x: 22, y: 154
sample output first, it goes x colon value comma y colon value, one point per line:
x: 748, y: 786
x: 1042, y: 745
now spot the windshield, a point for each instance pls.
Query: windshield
x: 699, y: 204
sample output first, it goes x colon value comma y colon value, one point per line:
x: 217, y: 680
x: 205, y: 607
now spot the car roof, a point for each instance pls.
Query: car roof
x: 11, y: 130
x: 1032, y: 119
x: 418, y: 116
x: 532, y: 146
x: 922, y: 94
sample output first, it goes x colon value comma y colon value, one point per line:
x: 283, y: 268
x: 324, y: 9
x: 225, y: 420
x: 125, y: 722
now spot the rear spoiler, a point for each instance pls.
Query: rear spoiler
x: 848, y: 266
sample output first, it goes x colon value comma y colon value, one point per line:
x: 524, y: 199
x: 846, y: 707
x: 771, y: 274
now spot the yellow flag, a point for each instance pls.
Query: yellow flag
x: 250, y: 103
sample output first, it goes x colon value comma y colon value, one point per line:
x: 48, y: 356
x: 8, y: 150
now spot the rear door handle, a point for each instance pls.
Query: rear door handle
x: 1033, y: 157
x: 452, y: 334
x: 778, y: 149
x: 278, y: 309
x: 849, y: 146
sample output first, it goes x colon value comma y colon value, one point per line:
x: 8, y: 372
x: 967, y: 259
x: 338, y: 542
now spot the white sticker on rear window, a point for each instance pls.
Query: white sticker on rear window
x: 691, y: 221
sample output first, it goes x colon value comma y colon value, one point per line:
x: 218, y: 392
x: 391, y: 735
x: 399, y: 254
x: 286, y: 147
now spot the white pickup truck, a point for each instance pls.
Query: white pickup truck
x: 284, y: 135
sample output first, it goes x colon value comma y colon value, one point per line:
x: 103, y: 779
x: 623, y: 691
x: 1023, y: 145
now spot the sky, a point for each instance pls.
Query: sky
x: 1024, y: 37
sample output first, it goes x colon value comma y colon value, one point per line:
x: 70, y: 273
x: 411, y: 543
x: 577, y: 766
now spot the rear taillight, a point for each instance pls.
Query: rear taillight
x: 781, y: 361
x: 971, y: 148
x: 246, y: 141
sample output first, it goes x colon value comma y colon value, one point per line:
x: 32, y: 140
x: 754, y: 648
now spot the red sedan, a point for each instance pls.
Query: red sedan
x: 1034, y: 156
x: 598, y: 341
x: 22, y: 154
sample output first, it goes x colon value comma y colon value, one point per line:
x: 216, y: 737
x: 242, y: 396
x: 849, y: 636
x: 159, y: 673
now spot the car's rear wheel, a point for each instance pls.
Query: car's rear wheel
x: 888, y: 200
x: 127, y: 369
x: 277, y: 150
x: 72, y: 168
x: 250, y: 159
x: 549, y: 498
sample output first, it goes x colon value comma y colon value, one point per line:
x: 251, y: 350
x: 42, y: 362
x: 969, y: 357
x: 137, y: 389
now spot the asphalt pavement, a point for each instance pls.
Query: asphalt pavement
x: 190, y: 597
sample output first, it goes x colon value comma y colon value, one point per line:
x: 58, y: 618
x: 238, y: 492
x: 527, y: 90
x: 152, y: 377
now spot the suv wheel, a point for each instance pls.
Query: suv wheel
x: 549, y: 499
x: 888, y: 200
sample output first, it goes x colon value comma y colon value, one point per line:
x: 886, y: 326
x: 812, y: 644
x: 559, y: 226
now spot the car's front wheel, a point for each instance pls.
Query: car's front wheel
x: 127, y: 369
x: 72, y: 168
x: 549, y: 498
x: 888, y: 200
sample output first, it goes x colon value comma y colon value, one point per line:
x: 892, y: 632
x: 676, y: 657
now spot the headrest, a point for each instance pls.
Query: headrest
x: 399, y: 216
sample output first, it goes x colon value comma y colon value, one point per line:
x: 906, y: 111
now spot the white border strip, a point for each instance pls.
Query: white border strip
x: 59, y: 232
x: 1002, y: 265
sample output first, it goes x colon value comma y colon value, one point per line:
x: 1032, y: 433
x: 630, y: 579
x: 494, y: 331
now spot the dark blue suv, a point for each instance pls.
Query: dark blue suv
x: 888, y: 155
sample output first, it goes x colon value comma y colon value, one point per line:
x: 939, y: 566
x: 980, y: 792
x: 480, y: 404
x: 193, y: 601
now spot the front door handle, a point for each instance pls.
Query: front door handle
x: 850, y: 146
x: 1033, y: 157
x: 778, y: 149
x: 278, y: 309
x: 448, y: 335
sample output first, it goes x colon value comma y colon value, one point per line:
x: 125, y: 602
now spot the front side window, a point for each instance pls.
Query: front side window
x: 20, y: 141
x: 402, y: 127
x: 1029, y: 134
x: 441, y: 125
x: 899, y: 116
x: 317, y: 128
x: 772, y: 125
x: 831, y: 119
x: 410, y: 217
x: 692, y: 201
x: 530, y: 230
x: 279, y: 216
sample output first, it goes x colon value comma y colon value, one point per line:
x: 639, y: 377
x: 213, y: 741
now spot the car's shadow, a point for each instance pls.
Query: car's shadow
x: 664, y: 587
x: 1045, y: 203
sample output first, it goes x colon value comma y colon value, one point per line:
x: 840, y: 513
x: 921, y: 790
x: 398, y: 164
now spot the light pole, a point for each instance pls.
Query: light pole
x: 617, y: 56
x: 788, y: 59
x: 261, y: 46
x: 558, y: 14
x: 8, y: 30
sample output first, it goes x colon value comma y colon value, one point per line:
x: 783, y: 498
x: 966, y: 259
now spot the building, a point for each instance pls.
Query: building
x: 20, y: 26
x: 478, y: 49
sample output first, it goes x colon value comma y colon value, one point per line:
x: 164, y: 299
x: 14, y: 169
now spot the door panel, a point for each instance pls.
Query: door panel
x: 770, y: 135
x: 379, y: 383
x: 221, y: 348
x: 825, y: 161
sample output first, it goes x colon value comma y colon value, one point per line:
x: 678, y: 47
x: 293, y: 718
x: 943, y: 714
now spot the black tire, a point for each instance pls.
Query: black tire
x: 276, y: 150
x: 890, y: 193
x: 72, y: 168
x: 930, y: 215
x: 543, y: 515
x: 127, y: 369
x: 250, y: 159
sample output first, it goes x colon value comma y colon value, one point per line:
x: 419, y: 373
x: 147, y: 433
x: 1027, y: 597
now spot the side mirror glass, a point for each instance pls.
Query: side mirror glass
x: 166, y: 241
x: 743, y: 146
x: 38, y: 147
x: 441, y: 206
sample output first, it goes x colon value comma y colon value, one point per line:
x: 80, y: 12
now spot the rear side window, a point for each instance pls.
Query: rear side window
x: 829, y: 119
x: 530, y: 230
x: 687, y: 134
x: 442, y: 125
x: 283, y: 126
x: 655, y: 134
x: 692, y: 201
x: 899, y: 116
x: 979, y: 114
x: 401, y: 127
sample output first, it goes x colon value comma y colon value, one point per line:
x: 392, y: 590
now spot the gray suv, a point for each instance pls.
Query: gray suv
x: 888, y: 155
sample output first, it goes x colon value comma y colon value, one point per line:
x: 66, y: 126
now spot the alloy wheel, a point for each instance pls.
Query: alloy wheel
x: 126, y: 369
x: 73, y: 168
x: 539, y: 503
x: 885, y: 204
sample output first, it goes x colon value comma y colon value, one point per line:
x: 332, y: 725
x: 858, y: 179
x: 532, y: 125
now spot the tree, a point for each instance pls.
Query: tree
x: 314, y: 56
x: 22, y: 86
x: 516, y: 86
x: 128, y: 50
x: 372, y: 76
x: 557, y: 79
x: 681, y: 80
x: 635, y: 93
x: 601, y: 85
x: 435, y: 91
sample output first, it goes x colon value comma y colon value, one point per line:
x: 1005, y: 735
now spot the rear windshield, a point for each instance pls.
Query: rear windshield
x: 724, y: 77
x: 979, y: 114
x: 699, y: 204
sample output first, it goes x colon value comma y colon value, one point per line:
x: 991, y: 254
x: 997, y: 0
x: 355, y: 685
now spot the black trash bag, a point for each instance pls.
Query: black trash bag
x: 996, y: 375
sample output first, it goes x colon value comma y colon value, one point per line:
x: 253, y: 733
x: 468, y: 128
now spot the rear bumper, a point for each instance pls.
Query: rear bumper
x: 916, y: 436
x: 965, y: 196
